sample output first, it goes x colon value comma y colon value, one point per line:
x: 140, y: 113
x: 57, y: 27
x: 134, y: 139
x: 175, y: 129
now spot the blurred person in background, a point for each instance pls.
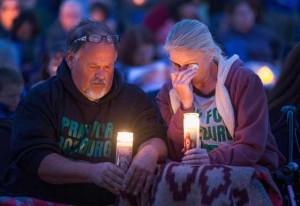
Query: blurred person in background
x: 11, y: 88
x: 54, y: 59
x: 283, y: 18
x: 137, y: 47
x: 46, y: 11
x: 99, y: 11
x: 286, y: 93
x: 9, y: 10
x: 139, y: 62
x: 70, y: 14
x: 245, y: 37
x: 161, y: 17
x: 26, y: 38
x: 50, y: 63
x: 216, y: 15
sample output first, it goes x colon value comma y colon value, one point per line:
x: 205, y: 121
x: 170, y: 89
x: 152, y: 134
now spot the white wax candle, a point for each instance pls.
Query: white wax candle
x: 124, y: 150
x: 191, y: 131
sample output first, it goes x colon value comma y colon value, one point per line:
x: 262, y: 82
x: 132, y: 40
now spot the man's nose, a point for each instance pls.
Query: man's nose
x: 100, y: 73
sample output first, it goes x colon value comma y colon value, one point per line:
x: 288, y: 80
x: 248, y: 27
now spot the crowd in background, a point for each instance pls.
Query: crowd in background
x: 33, y: 32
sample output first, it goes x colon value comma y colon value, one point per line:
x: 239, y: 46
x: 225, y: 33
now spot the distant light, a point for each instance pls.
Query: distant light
x: 266, y: 75
x: 267, y: 72
x: 139, y: 2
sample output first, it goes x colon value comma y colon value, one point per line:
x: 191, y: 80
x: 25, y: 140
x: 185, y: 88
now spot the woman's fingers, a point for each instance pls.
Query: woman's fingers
x: 184, y: 76
x: 196, y: 156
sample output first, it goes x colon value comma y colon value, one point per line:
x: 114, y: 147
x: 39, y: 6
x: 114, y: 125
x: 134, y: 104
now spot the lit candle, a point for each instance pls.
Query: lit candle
x: 191, y: 130
x: 124, y: 150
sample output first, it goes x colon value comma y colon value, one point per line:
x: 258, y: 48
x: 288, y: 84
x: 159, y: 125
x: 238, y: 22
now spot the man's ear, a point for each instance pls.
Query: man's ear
x: 69, y: 58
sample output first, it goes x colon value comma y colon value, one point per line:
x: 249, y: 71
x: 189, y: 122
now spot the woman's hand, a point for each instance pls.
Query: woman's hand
x: 196, y: 156
x: 181, y: 81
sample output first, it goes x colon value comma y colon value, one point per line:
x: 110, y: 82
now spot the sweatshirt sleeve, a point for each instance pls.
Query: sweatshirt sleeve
x: 145, y: 120
x: 173, y: 122
x: 34, y: 133
x: 251, y: 133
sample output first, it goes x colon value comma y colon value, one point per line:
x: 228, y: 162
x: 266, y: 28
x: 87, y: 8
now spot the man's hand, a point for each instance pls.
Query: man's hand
x: 181, y: 82
x: 56, y: 169
x: 108, y: 176
x: 141, y: 172
x: 196, y: 156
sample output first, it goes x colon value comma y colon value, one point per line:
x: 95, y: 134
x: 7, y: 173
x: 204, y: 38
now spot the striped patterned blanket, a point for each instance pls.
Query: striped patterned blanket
x: 178, y: 184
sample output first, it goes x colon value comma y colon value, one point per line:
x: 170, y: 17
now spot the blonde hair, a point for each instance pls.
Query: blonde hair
x: 192, y: 35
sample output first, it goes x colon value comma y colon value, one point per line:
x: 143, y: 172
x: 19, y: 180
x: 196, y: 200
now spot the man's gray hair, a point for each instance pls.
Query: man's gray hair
x: 87, y: 27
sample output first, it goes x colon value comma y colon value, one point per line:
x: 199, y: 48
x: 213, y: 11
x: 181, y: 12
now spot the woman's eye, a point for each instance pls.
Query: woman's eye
x: 176, y: 66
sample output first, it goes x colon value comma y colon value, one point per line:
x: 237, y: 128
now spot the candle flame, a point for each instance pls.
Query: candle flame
x: 125, y: 137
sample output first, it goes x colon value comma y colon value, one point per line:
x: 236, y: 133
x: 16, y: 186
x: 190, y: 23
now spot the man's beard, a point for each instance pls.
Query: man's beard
x: 96, y: 96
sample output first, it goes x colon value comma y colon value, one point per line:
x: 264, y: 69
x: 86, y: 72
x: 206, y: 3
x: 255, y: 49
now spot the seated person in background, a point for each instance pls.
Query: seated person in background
x: 230, y: 99
x: 250, y: 40
x: 54, y: 59
x: 284, y: 93
x: 50, y: 63
x: 139, y: 60
x: 26, y: 37
x: 11, y: 87
x: 70, y: 14
x: 64, y: 134
x: 101, y: 11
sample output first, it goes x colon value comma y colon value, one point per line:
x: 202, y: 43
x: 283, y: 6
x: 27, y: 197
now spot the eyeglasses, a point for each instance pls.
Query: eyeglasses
x: 97, y: 38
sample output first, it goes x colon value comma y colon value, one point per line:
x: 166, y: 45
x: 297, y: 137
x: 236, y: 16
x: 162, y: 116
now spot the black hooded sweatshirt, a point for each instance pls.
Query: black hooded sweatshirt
x: 55, y: 117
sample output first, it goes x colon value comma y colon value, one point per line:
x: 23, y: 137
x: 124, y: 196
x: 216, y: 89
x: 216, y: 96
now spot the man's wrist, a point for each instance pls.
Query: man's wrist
x: 151, y: 150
